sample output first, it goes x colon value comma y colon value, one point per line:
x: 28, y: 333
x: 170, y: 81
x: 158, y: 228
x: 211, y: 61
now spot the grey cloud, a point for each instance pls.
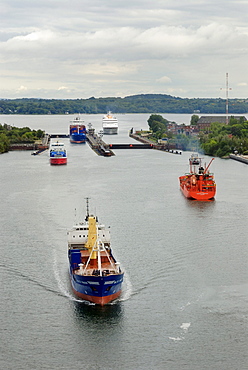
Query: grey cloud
x: 130, y: 47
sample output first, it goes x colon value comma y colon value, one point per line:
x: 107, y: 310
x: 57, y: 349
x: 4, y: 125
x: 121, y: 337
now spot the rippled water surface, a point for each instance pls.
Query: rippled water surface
x: 185, y: 298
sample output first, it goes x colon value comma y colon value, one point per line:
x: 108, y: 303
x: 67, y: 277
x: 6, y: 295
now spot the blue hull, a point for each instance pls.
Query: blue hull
x: 97, y: 289
x: 77, y: 138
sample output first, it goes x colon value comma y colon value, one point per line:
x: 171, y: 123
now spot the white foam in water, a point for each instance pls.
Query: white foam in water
x: 61, y: 286
x: 185, y: 326
x: 183, y: 307
x: 193, y: 302
x: 127, y: 291
x: 176, y: 339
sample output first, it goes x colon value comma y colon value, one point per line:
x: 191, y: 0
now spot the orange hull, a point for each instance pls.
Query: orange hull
x: 97, y: 300
x: 198, y: 187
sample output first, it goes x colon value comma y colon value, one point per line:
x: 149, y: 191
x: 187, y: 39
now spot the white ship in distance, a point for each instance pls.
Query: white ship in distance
x: 109, y: 124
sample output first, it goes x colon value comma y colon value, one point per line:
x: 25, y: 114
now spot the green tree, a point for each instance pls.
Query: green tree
x: 156, y: 123
x: 194, y: 120
x: 28, y: 137
x: 11, y: 135
x: 225, y: 139
x: 4, y: 143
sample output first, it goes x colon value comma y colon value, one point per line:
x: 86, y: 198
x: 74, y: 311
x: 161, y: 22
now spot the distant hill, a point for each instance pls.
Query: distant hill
x: 143, y: 103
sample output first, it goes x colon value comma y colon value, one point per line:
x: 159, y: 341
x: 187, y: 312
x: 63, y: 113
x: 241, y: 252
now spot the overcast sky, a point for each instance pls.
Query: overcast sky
x: 82, y: 48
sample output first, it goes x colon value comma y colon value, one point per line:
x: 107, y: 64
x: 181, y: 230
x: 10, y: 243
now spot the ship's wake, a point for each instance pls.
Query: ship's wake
x: 62, y: 284
x: 184, y: 329
x: 127, y: 289
x: 30, y: 279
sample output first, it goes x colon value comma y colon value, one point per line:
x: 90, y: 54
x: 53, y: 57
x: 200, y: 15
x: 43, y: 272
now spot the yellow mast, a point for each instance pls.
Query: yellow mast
x: 92, y: 236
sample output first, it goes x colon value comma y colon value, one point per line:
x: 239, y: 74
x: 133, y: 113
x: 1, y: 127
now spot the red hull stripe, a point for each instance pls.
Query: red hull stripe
x: 58, y: 160
x: 98, y: 300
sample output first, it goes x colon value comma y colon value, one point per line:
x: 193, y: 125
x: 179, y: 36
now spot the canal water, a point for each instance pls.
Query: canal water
x: 185, y: 296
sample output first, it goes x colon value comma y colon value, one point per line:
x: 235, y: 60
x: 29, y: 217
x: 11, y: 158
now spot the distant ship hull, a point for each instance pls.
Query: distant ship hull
x: 57, y: 153
x: 58, y: 161
x: 192, y: 191
x: 77, y: 139
x: 194, y: 159
x: 77, y: 134
x: 109, y: 124
x: 198, y: 184
x: 110, y: 130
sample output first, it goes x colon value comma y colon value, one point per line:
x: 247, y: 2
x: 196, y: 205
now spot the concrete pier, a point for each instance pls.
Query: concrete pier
x: 98, y: 145
x: 240, y: 158
x: 165, y: 147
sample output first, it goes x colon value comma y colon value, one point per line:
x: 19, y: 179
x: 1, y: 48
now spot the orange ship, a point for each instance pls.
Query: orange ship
x: 199, y: 184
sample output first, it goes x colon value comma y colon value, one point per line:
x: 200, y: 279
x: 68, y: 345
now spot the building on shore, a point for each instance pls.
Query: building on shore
x: 204, y: 122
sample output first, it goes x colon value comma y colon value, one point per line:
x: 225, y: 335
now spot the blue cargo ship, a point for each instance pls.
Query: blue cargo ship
x: 77, y: 131
x: 95, y: 274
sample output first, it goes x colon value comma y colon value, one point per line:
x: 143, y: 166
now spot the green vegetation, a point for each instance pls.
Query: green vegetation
x: 4, y: 143
x: 194, y: 120
x: 158, y: 125
x: 144, y: 103
x: 159, y: 128
x: 12, y: 135
x: 219, y: 142
x: 225, y: 139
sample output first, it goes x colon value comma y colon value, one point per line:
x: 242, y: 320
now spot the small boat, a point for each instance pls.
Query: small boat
x: 41, y: 149
x: 95, y: 274
x: 199, y: 183
x: 194, y: 159
x: 57, y: 153
x: 77, y: 131
x: 109, y: 124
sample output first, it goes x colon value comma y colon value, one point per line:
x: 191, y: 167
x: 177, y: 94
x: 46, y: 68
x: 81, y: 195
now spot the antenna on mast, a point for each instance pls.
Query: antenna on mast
x: 87, y: 207
x: 227, y: 89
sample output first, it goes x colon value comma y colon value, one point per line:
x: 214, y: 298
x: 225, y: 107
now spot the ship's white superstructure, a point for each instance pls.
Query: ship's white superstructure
x: 109, y: 124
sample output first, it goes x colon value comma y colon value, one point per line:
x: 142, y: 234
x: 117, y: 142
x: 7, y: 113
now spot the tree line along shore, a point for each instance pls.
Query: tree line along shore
x: 10, y: 135
x: 143, y: 103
